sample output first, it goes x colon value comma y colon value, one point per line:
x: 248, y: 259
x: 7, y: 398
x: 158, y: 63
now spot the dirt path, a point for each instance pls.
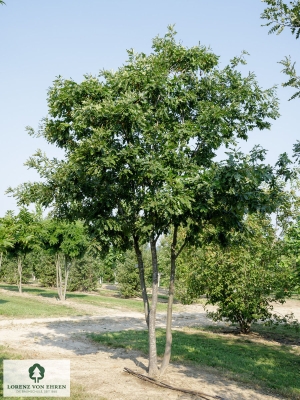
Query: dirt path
x: 100, y: 370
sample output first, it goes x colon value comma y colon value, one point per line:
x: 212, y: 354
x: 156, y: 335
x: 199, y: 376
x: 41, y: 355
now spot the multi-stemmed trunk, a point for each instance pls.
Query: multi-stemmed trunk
x: 150, y: 313
x: 62, y: 282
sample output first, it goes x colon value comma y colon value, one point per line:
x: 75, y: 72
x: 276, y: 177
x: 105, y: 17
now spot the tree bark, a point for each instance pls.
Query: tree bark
x: 167, y: 354
x: 68, y: 264
x: 153, y: 369
x: 58, y: 276
x: 140, y: 261
x: 19, y: 281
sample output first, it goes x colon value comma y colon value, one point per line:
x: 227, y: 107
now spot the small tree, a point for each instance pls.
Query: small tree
x: 127, y: 275
x: 243, y: 278
x: 6, y: 240
x: 24, y: 230
x: 85, y: 274
x: 67, y: 242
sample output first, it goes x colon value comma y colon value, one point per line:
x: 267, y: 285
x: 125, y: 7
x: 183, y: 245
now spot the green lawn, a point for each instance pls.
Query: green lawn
x: 101, y: 300
x: 24, y: 307
x: 267, y: 365
x: 113, y: 302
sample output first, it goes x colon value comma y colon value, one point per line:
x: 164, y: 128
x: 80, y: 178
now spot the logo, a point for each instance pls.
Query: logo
x: 36, y: 372
x: 36, y: 378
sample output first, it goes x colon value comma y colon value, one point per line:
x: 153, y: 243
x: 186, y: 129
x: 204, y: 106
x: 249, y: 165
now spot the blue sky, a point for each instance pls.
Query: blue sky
x: 41, y: 39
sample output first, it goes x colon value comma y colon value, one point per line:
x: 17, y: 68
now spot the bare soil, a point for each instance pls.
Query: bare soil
x: 100, y: 370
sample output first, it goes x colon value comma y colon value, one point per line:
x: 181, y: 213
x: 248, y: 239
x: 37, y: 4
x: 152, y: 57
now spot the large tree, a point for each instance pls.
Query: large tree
x: 139, y: 155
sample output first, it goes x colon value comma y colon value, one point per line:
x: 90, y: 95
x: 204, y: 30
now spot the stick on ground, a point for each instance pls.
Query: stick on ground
x: 164, y: 385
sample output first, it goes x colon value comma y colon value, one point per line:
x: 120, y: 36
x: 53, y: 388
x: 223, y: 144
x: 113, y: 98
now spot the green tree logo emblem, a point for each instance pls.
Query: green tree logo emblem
x: 36, y: 372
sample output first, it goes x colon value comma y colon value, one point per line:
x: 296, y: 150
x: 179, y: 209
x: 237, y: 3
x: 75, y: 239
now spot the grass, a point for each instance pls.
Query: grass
x: 266, y: 365
x: 101, y: 300
x: 21, y: 307
x: 113, y: 302
x: 78, y: 392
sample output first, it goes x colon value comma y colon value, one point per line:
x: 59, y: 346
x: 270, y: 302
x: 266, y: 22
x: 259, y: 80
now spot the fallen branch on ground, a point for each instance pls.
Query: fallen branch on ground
x: 164, y: 385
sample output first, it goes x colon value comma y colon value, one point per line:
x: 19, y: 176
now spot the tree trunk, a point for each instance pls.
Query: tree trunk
x: 58, y: 276
x: 245, y: 325
x: 140, y: 261
x: 1, y: 257
x: 153, y: 369
x: 19, y: 280
x: 167, y: 354
x: 68, y: 264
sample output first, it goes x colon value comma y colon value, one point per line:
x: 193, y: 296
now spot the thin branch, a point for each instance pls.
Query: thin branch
x: 181, y: 248
x: 164, y: 385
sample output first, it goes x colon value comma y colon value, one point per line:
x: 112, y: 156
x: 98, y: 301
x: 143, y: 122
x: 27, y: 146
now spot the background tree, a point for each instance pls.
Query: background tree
x: 107, y: 262
x: 24, y: 229
x: 85, y: 274
x: 40, y: 262
x: 127, y: 275
x: 244, y: 278
x: 292, y: 247
x: 139, y: 155
x: 67, y: 242
x: 5, y: 239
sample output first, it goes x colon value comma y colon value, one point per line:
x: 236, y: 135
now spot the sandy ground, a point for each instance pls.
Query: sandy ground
x: 100, y: 370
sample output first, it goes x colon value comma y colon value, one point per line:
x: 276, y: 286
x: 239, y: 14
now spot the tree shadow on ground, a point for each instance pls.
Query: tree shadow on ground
x: 284, y: 335
x: 274, y: 366
x: 126, y: 338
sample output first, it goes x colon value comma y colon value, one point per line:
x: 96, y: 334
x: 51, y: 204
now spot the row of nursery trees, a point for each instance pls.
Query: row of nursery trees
x: 60, y: 254
x: 41, y: 247
x: 255, y: 268
x: 140, y: 169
